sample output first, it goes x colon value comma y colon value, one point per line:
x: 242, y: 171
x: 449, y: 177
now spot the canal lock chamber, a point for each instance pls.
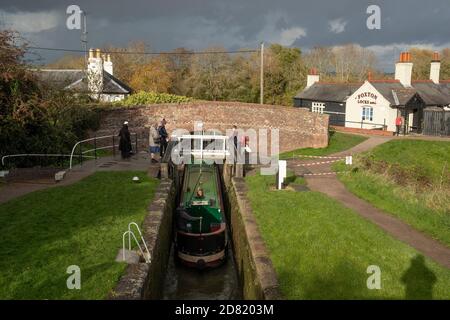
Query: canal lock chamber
x: 247, y: 274
x: 218, y: 283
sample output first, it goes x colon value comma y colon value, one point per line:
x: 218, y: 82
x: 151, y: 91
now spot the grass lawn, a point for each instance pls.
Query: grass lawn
x: 413, y: 185
x: 46, y: 231
x: 321, y: 250
x: 338, y: 142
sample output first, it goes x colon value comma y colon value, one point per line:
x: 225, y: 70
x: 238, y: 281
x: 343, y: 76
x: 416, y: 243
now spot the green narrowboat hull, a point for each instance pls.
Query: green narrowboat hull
x: 201, y: 231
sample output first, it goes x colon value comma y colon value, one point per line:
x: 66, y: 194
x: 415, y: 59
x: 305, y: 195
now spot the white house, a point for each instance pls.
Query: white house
x: 97, y: 80
x: 374, y: 104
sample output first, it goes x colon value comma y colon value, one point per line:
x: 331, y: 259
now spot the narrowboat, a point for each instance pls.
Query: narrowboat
x: 201, y: 232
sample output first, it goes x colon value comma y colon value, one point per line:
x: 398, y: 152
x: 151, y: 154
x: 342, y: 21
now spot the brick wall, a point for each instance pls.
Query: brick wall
x: 364, y: 131
x: 298, y: 127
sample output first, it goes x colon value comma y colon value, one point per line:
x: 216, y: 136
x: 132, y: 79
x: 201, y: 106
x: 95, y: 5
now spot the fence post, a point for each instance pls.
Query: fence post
x: 361, y: 124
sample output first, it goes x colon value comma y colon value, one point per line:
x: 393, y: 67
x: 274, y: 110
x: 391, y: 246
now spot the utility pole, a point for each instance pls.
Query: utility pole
x: 84, y: 39
x: 261, y: 83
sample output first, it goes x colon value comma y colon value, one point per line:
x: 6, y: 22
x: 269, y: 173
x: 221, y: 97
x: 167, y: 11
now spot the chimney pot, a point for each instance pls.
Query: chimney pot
x: 313, y: 72
x: 435, y: 68
x: 436, y: 56
x: 312, y: 77
x: 403, y: 69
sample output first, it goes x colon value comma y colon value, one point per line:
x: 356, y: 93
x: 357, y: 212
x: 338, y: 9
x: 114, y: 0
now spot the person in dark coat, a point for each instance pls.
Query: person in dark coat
x: 163, y: 137
x: 125, y: 141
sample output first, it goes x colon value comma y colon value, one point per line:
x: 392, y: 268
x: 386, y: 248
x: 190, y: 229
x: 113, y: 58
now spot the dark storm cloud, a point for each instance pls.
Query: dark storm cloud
x: 232, y: 24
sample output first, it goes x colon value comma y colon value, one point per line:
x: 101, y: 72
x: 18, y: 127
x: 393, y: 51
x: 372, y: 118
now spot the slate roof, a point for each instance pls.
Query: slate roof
x: 77, y: 80
x: 432, y: 94
x: 58, y: 79
x: 323, y: 91
x: 394, y: 92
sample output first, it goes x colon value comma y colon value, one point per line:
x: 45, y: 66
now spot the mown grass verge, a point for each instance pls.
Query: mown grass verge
x: 47, y: 231
x: 338, y: 142
x: 409, y: 179
x: 322, y: 250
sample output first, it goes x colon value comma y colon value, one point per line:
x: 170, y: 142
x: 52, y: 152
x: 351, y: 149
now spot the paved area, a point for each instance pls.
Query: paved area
x: 139, y: 162
x: 332, y: 187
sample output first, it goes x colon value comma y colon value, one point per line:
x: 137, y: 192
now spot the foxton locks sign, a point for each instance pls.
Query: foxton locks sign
x: 367, y: 98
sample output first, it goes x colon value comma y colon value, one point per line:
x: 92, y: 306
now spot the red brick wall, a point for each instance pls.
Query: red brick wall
x: 298, y: 127
x: 363, y: 131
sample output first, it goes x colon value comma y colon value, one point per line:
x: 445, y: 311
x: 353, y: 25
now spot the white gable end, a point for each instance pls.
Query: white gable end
x: 366, y: 108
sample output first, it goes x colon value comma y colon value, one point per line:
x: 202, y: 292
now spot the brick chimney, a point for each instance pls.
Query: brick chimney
x: 313, y: 77
x: 435, y: 68
x: 107, y: 64
x: 95, y: 71
x: 403, y: 69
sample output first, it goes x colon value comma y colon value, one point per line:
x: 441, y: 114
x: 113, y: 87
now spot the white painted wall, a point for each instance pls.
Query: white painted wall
x: 368, y: 96
x: 111, y: 97
x: 95, y: 74
x: 403, y: 73
x: 311, y: 79
x: 435, y: 69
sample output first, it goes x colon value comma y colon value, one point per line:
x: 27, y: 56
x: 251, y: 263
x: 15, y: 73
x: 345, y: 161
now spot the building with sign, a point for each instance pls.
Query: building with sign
x: 375, y: 104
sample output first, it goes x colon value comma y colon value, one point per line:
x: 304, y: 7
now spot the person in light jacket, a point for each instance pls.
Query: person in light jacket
x: 153, y: 141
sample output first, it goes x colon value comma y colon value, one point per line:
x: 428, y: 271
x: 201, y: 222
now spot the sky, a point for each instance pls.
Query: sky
x: 234, y: 24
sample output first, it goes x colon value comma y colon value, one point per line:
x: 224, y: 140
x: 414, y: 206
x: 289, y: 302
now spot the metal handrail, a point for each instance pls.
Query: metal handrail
x: 37, y: 155
x: 93, y: 139
x: 140, y: 234
x: 130, y: 233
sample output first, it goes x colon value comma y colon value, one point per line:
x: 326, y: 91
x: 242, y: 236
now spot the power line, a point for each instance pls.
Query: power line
x: 148, y: 53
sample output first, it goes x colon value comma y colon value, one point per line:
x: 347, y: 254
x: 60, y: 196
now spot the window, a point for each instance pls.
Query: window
x: 318, y: 107
x: 367, y: 114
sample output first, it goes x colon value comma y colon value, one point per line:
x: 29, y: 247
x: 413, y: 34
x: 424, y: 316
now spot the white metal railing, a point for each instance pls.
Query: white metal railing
x: 96, y: 148
x: 37, y: 155
x: 201, y: 152
x: 130, y: 234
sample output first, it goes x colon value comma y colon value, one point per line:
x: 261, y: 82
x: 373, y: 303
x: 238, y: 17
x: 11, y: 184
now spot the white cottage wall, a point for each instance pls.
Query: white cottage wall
x: 368, y: 96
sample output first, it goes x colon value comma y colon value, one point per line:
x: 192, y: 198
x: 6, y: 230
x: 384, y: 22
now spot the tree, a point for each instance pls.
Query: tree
x: 209, y: 76
x: 68, y: 62
x: 320, y: 58
x: 421, y: 59
x: 153, y: 76
x: 128, y: 60
x: 285, y: 74
x: 445, y: 64
x: 352, y: 62
x: 35, y: 118
x: 179, y: 64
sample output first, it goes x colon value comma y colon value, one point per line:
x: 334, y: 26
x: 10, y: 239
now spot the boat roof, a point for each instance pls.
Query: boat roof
x: 201, y: 176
